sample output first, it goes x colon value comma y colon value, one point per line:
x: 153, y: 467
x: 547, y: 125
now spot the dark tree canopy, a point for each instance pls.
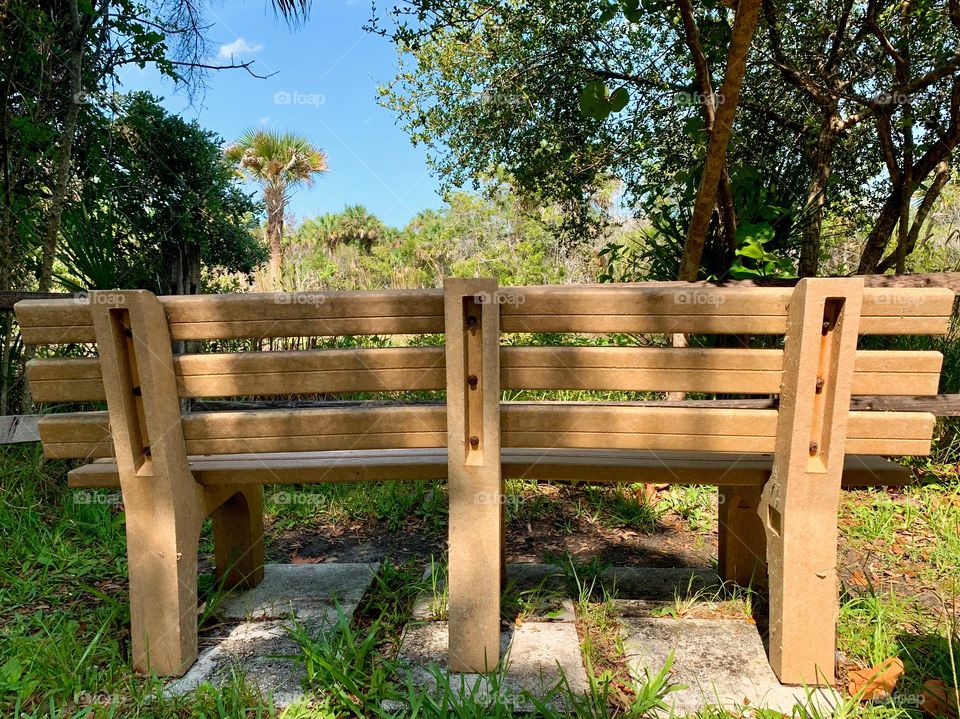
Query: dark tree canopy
x: 156, y: 200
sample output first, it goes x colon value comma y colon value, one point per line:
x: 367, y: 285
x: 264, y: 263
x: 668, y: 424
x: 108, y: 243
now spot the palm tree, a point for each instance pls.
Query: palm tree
x: 356, y: 225
x: 278, y: 161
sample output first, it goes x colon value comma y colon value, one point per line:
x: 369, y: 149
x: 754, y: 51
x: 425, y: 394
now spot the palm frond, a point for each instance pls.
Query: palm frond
x: 292, y: 10
x: 277, y: 156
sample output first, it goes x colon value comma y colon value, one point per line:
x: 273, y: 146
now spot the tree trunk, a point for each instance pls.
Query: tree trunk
x: 727, y: 209
x: 743, y: 28
x: 935, y: 154
x: 926, y: 205
x: 822, y: 168
x: 708, y: 107
x: 183, y: 265
x: 61, y: 181
x: 903, y: 231
x: 274, y: 200
x: 880, y: 234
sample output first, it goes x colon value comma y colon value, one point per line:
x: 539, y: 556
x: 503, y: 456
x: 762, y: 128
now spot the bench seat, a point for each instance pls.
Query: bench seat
x: 558, y: 464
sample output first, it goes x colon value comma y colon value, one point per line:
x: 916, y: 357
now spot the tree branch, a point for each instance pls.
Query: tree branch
x: 232, y: 66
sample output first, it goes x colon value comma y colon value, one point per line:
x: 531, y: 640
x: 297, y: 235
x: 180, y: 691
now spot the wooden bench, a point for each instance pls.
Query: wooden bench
x: 779, y: 471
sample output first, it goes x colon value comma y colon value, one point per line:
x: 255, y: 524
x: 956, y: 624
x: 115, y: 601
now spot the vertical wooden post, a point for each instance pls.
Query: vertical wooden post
x: 741, y: 542
x: 800, y: 501
x: 472, y: 326
x: 238, y: 538
x: 164, y: 505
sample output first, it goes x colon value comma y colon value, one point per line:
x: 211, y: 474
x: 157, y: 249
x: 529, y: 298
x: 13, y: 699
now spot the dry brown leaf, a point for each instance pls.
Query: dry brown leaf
x: 939, y: 700
x: 876, y: 682
x: 859, y: 579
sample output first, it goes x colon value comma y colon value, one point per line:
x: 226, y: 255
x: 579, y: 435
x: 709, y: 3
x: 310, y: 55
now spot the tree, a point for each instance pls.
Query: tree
x: 156, y: 203
x: 60, y: 60
x: 357, y: 226
x: 844, y: 115
x: 878, y: 80
x: 564, y: 96
x: 277, y: 161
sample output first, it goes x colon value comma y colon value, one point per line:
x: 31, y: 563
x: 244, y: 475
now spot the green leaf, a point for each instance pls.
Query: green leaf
x: 753, y: 251
x: 739, y: 272
x: 693, y: 127
x: 593, y: 100
x: 619, y: 99
x: 11, y: 671
x: 631, y: 10
x: 759, y: 233
x: 609, y: 12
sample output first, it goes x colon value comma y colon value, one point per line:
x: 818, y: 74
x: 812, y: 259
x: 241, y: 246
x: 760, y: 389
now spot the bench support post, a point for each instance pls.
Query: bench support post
x: 741, y: 542
x: 472, y: 327
x: 800, y: 501
x: 238, y: 536
x: 164, y: 505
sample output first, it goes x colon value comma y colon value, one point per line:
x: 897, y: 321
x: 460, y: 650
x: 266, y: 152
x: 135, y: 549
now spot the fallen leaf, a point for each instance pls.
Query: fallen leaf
x: 939, y: 700
x: 859, y: 579
x: 877, y: 682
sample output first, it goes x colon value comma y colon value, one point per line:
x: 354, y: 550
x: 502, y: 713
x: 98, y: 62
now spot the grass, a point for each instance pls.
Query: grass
x: 64, y: 640
x: 394, y: 504
x: 912, y: 532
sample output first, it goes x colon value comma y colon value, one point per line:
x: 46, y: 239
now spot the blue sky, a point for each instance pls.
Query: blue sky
x: 324, y: 87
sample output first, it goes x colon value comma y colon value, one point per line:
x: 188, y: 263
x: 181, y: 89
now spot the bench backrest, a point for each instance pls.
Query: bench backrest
x: 133, y: 329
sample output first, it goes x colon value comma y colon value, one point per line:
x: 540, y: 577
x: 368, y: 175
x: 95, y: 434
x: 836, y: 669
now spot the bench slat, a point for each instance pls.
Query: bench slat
x: 594, y: 466
x: 321, y: 371
x: 242, y: 374
x: 561, y: 308
x: 237, y: 316
x: 757, y: 310
x: 588, y: 425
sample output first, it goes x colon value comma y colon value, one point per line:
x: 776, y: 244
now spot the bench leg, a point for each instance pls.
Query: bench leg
x: 802, y: 561
x: 742, y: 551
x: 162, y: 556
x: 238, y: 538
x: 164, y: 506
x: 475, y: 484
x: 800, y: 500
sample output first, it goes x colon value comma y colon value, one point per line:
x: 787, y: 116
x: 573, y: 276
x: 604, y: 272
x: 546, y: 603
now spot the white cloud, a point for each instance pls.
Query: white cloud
x: 238, y: 48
